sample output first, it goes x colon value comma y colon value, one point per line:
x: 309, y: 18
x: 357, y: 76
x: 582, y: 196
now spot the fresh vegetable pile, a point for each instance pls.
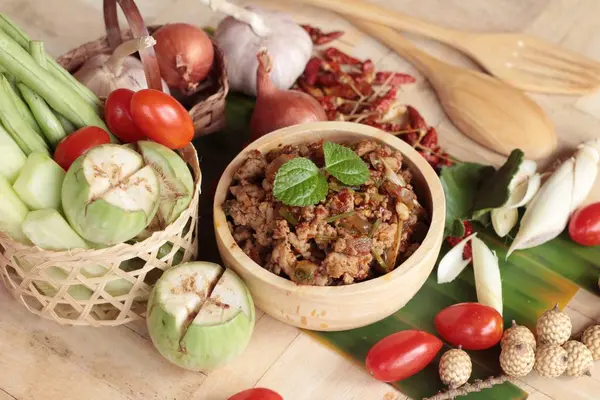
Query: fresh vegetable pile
x: 66, y: 181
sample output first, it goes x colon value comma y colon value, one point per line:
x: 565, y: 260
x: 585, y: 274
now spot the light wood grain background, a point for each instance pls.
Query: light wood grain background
x: 41, y: 360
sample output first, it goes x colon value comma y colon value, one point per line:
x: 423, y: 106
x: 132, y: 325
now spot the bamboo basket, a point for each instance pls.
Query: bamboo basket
x: 54, y: 285
x: 206, y: 105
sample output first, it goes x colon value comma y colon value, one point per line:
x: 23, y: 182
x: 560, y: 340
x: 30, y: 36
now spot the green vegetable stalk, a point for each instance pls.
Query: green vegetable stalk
x: 22, y: 108
x: 61, y: 97
x: 45, y: 117
x: 68, y: 127
x: 17, y: 34
x: 27, y: 139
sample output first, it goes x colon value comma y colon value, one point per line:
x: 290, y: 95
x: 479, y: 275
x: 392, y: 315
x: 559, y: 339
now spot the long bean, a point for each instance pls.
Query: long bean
x: 27, y: 139
x: 24, y: 111
x: 47, y: 121
x: 60, y: 97
x: 49, y: 124
x: 17, y: 34
x: 66, y: 124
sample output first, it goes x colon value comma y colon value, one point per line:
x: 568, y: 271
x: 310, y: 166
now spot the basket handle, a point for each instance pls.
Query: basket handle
x: 138, y: 29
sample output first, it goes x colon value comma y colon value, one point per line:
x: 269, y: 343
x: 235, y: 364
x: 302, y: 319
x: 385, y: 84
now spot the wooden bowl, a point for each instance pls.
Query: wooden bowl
x: 335, y: 308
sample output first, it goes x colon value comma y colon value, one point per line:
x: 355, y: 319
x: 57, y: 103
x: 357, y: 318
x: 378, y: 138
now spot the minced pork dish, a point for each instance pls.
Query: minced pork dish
x: 355, y: 234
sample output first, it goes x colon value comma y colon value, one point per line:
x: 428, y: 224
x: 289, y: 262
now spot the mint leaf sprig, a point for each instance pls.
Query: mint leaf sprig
x: 299, y: 182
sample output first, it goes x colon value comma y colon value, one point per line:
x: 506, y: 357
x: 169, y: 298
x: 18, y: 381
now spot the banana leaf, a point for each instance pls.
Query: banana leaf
x: 532, y: 280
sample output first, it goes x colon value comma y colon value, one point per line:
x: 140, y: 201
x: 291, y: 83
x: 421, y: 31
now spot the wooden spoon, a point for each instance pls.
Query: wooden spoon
x: 487, y: 110
x: 523, y: 61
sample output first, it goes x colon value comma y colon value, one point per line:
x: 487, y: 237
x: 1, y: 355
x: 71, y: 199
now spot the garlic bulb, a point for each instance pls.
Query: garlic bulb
x: 246, y: 31
x: 104, y: 73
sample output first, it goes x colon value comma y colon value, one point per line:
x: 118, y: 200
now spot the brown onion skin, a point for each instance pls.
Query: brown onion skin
x: 185, y: 55
x: 276, y: 109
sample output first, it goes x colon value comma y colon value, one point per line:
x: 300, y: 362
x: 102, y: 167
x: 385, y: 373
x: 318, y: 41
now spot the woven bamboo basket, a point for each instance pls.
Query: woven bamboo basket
x: 29, y: 272
x: 57, y: 285
x: 206, y: 105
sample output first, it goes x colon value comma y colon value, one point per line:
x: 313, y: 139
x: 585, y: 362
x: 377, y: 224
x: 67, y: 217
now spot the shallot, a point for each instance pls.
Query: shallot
x: 185, y: 56
x: 277, y: 108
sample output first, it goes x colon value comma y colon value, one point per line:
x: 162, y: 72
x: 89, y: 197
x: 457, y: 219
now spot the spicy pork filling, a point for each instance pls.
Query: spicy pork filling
x: 355, y: 234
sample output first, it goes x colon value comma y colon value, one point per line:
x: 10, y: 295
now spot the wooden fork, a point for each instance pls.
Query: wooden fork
x: 521, y: 60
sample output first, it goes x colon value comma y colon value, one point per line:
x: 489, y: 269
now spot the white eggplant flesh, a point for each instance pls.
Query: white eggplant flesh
x: 175, y: 181
x: 12, y: 157
x: 488, y: 281
x: 586, y: 171
x: 48, y: 230
x: 453, y: 263
x: 200, y: 316
x: 504, y: 220
x: 39, y: 182
x: 12, y: 212
x: 548, y: 212
x: 109, y: 196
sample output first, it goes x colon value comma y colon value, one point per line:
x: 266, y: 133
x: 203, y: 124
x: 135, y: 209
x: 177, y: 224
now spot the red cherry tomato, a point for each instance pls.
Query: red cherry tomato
x: 78, y: 143
x: 117, y: 113
x: 162, y: 118
x: 470, y: 325
x: 256, y: 394
x: 584, y: 227
x: 402, y: 354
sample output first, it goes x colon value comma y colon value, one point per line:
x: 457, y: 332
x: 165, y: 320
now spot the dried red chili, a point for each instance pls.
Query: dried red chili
x: 344, y: 85
x: 311, y: 72
x: 392, y: 78
x: 382, y: 103
x: 415, y: 118
x: 430, y: 140
x: 310, y: 89
x: 338, y: 56
x: 319, y: 37
x: 453, y: 240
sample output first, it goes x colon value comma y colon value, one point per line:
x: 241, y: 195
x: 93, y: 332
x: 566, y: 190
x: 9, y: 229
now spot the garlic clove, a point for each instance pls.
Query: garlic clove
x: 586, y: 170
x: 504, y: 219
x: 523, y: 194
x: 452, y: 264
x: 488, y: 282
x: 547, y: 214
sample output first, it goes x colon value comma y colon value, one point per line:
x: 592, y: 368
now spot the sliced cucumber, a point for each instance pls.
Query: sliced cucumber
x: 12, y: 212
x: 12, y: 157
x: 40, y: 182
x: 49, y: 230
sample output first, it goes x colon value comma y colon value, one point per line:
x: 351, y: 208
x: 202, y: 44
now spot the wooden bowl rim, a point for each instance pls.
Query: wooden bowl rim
x: 431, y: 179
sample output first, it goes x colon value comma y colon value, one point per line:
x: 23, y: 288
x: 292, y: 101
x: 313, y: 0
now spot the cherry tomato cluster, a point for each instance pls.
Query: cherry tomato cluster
x: 402, y: 354
x: 131, y: 116
x: 148, y: 114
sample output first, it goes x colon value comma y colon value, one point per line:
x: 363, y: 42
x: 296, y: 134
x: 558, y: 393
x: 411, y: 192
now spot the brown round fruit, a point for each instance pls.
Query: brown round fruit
x: 517, y: 359
x: 550, y: 360
x: 580, y: 359
x: 553, y: 327
x: 518, y: 333
x: 455, y: 368
x: 591, y: 338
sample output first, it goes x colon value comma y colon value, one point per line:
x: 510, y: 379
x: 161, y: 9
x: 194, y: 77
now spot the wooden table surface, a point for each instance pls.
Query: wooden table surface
x: 44, y: 361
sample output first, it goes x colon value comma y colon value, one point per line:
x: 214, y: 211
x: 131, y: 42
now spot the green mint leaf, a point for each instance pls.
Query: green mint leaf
x: 299, y: 182
x: 344, y: 164
x: 461, y: 183
x: 495, y: 191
